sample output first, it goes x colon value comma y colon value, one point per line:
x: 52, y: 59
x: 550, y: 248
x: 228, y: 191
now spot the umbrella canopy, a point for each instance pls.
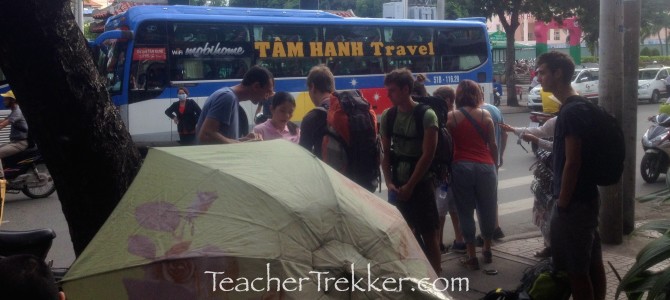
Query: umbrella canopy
x: 263, y: 220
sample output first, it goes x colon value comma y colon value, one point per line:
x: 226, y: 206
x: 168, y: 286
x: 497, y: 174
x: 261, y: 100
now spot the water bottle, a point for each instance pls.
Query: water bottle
x: 442, y: 190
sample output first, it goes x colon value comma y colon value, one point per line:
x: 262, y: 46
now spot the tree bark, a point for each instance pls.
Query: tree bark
x: 81, y: 135
x: 510, y: 55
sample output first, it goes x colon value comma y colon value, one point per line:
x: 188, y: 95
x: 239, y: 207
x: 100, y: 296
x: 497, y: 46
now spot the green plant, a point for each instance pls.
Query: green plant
x: 645, y: 52
x: 641, y: 280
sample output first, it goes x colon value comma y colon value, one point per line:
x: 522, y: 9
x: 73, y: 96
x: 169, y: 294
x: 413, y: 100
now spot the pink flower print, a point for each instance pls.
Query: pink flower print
x: 158, y: 215
x: 200, y: 204
x: 142, y: 246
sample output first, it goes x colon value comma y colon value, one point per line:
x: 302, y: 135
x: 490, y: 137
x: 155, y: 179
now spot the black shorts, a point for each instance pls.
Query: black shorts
x: 420, y: 211
x: 575, y: 242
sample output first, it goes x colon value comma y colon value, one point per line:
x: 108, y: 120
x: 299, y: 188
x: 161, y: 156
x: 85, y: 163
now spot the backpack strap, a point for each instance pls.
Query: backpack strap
x: 474, y: 123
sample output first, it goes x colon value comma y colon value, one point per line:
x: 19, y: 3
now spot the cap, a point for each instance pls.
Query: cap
x: 8, y: 94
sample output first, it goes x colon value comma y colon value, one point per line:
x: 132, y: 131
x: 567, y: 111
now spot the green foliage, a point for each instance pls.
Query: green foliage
x: 589, y: 59
x: 645, y: 52
x: 654, y: 52
x: 641, y: 279
x: 87, y: 32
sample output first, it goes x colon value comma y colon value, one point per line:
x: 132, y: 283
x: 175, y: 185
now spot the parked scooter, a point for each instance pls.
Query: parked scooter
x: 538, y: 119
x: 656, y: 145
x: 26, y: 172
x: 36, y: 242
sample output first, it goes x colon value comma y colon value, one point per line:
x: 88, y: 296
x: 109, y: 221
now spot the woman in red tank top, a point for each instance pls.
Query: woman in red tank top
x: 474, y: 175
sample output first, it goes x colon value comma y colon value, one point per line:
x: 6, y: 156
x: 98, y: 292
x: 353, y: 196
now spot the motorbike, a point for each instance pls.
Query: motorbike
x: 538, y: 119
x: 656, y: 146
x: 27, y: 172
x: 36, y: 242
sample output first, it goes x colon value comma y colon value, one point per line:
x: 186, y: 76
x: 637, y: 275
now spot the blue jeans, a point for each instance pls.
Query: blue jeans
x: 475, y: 186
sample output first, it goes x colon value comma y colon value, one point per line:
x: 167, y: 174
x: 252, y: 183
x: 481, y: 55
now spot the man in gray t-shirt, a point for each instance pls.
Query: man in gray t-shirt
x: 18, y: 135
x: 219, y: 120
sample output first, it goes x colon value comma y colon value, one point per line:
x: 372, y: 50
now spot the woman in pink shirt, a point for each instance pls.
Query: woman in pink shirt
x: 279, y: 126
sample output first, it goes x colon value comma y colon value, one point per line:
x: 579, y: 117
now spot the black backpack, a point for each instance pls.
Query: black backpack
x: 351, y: 145
x: 444, y: 152
x: 605, y: 166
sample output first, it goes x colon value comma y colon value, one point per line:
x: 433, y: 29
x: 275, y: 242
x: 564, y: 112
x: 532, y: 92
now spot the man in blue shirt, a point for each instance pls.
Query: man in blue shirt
x: 497, y: 92
x: 219, y: 120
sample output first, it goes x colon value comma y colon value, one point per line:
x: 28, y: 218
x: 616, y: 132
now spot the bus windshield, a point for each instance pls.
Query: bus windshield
x: 111, y: 61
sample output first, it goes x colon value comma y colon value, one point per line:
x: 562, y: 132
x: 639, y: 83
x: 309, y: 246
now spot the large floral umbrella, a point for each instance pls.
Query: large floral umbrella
x: 264, y: 220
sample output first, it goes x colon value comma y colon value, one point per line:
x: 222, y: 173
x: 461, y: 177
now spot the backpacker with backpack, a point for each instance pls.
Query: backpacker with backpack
x: 444, y: 152
x: 605, y: 166
x: 351, y: 145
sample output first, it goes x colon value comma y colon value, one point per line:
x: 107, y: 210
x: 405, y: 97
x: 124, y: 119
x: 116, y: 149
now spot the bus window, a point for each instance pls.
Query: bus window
x: 408, y: 35
x: 111, y: 65
x: 151, y: 33
x: 460, y: 49
x: 284, y: 50
x: 198, y: 32
x: 275, y: 33
x: 352, y: 34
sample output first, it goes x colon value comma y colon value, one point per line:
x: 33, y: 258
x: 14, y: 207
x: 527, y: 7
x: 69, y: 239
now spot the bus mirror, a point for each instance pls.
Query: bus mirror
x: 113, y: 35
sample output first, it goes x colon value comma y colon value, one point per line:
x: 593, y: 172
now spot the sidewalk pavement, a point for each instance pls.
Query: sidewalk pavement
x: 512, y: 255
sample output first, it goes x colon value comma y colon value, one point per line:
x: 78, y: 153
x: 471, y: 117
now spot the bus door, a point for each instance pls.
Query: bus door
x: 150, y: 91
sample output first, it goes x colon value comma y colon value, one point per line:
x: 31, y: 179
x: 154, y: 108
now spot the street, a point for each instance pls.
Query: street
x: 515, y: 198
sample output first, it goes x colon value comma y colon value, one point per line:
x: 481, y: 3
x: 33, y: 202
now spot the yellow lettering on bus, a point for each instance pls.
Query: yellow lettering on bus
x: 343, y: 49
x: 389, y: 50
x: 423, y: 50
x: 378, y: 48
x: 400, y: 51
x: 330, y: 49
x: 412, y: 49
x: 316, y: 49
x: 430, y: 47
x: 295, y: 49
x: 278, y: 50
x: 262, y: 48
x: 357, y: 49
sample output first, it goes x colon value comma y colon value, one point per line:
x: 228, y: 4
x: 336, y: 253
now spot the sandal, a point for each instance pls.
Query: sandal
x: 488, y: 256
x: 545, y: 253
x: 471, y: 263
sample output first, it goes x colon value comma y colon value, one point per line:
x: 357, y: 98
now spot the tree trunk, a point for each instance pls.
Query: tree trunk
x: 510, y: 57
x: 81, y: 135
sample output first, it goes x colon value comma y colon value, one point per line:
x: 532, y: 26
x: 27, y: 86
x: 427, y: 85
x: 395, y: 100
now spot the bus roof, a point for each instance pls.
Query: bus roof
x: 137, y: 14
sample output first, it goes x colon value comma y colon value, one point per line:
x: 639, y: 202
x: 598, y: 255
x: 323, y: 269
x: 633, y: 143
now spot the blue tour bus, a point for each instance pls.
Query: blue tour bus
x: 146, y: 53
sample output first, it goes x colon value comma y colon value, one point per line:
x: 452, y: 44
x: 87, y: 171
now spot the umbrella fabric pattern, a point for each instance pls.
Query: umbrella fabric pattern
x: 263, y: 220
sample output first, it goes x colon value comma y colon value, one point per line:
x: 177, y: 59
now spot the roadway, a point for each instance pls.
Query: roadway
x: 515, y: 198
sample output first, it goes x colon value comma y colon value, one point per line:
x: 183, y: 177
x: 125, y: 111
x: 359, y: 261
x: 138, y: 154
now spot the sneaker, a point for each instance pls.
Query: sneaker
x: 443, y: 248
x: 471, y: 263
x: 458, y: 247
x: 498, y: 234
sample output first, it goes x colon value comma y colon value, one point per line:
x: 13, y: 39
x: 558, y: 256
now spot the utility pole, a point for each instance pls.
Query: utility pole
x: 610, y: 97
x: 631, y: 62
x: 78, y: 11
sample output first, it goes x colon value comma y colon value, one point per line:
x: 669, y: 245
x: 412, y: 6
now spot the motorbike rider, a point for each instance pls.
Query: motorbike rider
x: 18, y: 135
